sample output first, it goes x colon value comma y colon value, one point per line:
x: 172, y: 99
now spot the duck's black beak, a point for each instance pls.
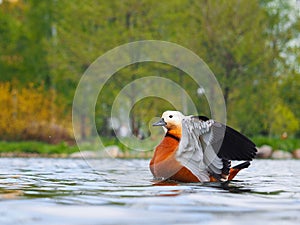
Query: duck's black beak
x: 161, y: 122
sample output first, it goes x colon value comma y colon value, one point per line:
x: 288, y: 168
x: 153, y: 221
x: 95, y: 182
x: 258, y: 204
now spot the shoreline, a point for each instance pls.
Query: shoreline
x: 127, y: 155
x: 35, y: 149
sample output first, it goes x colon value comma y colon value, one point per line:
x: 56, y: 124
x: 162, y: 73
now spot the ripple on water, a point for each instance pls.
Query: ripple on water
x: 66, y: 191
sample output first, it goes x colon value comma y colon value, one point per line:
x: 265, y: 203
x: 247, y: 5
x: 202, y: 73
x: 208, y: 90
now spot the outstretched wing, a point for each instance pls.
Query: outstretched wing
x: 207, y: 146
x: 236, y: 146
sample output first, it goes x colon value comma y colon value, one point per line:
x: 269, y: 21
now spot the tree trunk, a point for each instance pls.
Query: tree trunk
x: 82, y: 127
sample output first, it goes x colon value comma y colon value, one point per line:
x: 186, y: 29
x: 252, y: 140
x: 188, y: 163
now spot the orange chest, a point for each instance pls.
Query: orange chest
x: 164, y: 163
x: 166, y: 149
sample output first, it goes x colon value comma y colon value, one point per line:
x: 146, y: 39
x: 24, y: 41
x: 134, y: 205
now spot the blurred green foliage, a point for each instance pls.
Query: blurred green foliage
x: 249, y: 46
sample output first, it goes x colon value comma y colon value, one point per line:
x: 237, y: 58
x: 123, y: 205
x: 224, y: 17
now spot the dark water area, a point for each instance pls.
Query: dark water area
x: 70, y: 191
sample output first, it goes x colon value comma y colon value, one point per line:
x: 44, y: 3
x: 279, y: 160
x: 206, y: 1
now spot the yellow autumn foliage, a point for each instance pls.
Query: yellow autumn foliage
x: 283, y: 120
x: 32, y: 113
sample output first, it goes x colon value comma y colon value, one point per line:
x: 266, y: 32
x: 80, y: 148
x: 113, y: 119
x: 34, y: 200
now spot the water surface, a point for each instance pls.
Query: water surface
x: 69, y: 191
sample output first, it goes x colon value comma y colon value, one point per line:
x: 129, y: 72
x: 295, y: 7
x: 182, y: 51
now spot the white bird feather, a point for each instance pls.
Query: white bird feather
x: 195, y: 150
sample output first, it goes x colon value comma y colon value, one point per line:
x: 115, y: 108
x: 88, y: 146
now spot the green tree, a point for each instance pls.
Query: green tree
x: 12, y: 35
x: 251, y: 46
x: 241, y: 43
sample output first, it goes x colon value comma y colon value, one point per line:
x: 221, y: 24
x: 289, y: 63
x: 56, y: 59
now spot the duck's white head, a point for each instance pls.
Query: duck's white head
x: 170, y: 120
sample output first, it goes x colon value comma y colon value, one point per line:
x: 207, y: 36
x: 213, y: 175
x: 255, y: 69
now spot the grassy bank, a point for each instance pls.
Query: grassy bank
x: 289, y: 144
x: 34, y: 148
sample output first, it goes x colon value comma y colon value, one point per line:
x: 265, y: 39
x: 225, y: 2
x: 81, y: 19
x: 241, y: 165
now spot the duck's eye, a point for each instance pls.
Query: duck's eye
x: 170, y: 116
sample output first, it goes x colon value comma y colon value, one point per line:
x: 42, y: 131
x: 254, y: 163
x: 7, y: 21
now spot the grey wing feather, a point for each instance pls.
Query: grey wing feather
x: 196, y: 148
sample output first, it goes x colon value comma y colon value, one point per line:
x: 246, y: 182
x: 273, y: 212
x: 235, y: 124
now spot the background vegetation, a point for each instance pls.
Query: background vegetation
x: 46, y: 45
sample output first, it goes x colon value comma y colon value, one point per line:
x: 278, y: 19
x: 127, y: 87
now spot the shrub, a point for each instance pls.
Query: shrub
x: 33, y: 113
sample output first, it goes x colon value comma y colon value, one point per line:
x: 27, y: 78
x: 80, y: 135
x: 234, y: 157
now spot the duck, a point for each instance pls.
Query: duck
x: 199, y: 149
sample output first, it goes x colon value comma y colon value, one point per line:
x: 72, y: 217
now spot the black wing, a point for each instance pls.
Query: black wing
x: 234, y: 145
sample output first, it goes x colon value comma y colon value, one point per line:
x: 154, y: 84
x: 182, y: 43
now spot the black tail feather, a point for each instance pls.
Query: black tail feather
x: 242, y: 165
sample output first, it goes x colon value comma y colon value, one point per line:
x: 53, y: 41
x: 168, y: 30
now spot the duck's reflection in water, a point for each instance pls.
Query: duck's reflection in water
x: 228, y: 186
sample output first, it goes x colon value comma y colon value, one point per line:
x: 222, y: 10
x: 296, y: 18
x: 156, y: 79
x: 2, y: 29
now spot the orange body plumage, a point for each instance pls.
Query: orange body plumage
x: 164, y: 163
